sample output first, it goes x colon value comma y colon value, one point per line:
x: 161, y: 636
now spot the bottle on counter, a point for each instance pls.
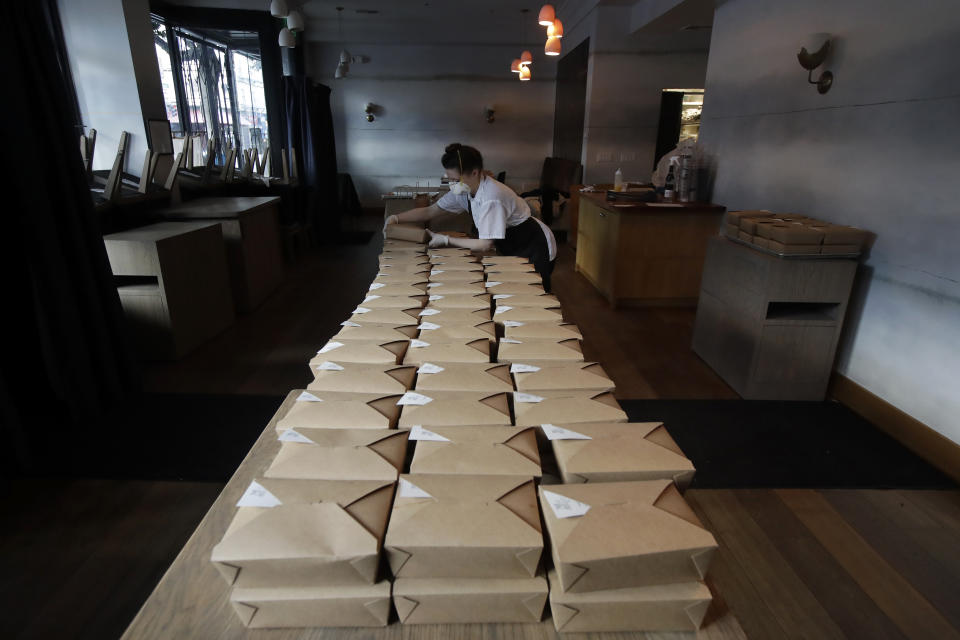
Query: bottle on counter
x: 670, y: 185
x: 686, y: 180
x: 618, y: 181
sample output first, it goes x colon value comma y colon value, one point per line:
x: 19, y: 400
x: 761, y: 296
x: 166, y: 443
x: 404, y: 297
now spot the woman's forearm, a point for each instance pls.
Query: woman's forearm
x: 473, y: 244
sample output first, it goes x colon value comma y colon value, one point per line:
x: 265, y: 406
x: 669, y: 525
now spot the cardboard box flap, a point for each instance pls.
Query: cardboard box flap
x: 403, y: 374
x: 343, y: 411
x: 296, y: 460
x: 562, y: 614
x: 565, y: 376
x: 467, y: 376
x: 397, y: 317
x: 475, y: 351
x: 621, y: 446
x: 378, y: 332
x: 455, y: 408
x: 244, y: 611
x: 405, y: 606
x: 470, y: 600
x: 479, y: 450
x: 525, y: 443
x: 446, y: 332
x: 363, y: 351
x: 319, y: 530
x: 569, y: 407
x: 500, y: 372
x: 360, y: 377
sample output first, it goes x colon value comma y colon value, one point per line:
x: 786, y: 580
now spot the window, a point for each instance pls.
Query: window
x: 213, y: 87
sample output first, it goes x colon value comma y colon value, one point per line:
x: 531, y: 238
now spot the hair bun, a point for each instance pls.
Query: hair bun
x: 453, y: 148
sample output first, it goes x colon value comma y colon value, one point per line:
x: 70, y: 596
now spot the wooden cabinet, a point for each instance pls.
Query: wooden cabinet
x: 769, y: 326
x: 644, y: 254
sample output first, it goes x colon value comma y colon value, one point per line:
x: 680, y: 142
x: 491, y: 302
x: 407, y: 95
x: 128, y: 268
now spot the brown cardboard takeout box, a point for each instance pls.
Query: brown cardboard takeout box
x: 541, y: 329
x: 376, y: 300
x: 667, y: 607
x: 561, y: 376
x: 476, y: 350
x: 536, y: 349
x: 457, y: 408
x: 433, y: 330
x: 503, y: 451
x: 364, y: 351
x: 619, y: 452
x: 632, y: 534
x: 337, y: 410
x: 515, y: 288
x: 473, y: 301
x: 297, y: 533
x: 374, y: 331
x: 464, y: 376
x: 464, y: 526
x: 407, y: 231
x: 339, y: 454
x: 360, y: 378
x: 457, y: 287
x: 332, y: 606
x: 553, y: 407
x: 469, y: 600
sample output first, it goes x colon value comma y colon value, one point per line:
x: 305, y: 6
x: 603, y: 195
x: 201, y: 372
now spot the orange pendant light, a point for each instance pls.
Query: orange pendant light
x: 526, y: 58
x: 524, y: 74
x: 547, y: 15
x: 555, y: 30
x: 515, y: 66
x: 552, y: 48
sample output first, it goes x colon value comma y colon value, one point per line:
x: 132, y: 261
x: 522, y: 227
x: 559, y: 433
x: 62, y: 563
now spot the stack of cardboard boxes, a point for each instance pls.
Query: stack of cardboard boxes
x: 473, y: 363
x: 790, y: 234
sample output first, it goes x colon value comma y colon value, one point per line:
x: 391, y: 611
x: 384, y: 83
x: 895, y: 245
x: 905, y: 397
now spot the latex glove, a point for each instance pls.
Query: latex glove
x: 438, y: 240
x: 393, y: 219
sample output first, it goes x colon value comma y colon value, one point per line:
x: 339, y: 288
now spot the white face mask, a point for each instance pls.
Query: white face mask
x: 459, y: 188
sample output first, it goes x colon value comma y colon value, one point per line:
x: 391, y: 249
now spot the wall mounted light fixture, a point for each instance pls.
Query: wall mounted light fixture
x: 813, y: 52
x: 370, y: 110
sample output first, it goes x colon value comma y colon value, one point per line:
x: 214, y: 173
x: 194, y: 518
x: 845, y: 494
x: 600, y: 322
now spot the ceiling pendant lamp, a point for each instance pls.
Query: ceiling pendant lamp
x: 547, y: 15
x: 515, y: 65
x: 295, y: 21
x: 524, y: 74
x: 555, y: 30
x: 552, y: 48
x: 526, y: 58
x: 278, y: 9
x: 287, y: 39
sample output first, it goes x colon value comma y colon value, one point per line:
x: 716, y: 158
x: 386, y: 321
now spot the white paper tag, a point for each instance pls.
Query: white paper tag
x: 519, y: 396
x: 419, y: 433
x: 429, y: 312
x: 517, y: 367
x: 350, y: 323
x: 306, y: 396
x: 409, y: 490
x: 361, y: 310
x: 418, y: 344
x: 429, y: 367
x: 510, y: 341
x: 502, y: 296
x: 290, y: 435
x: 564, y: 507
x: 414, y: 398
x: 257, y: 495
x: 371, y: 297
x: 512, y: 323
x: 434, y: 272
x: 428, y: 326
x: 377, y: 285
x: 329, y: 366
x: 553, y: 432
x: 493, y: 284
x: 500, y: 310
x: 434, y: 284
x: 330, y: 346
x: 435, y: 297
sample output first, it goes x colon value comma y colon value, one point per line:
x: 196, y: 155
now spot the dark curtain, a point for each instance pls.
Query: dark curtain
x: 65, y: 360
x: 309, y: 123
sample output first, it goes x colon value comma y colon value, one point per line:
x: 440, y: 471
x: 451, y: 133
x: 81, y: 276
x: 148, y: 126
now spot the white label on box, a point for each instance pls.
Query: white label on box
x: 428, y: 326
x: 350, y: 323
x: 502, y: 296
x: 553, y: 432
x: 290, y: 435
x: 493, y: 284
x: 429, y: 312
x: 520, y: 396
x: 564, y: 507
x: 257, y: 495
x: 361, y: 310
x: 436, y: 271
x: 330, y: 346
x: 428, y: 367
x: 329, y: 366
x: 516, y: 367
x: 510, y: 341
x: 434, y: 284
x: 412, y: 397
x: 500, y: 310
x: 512, y: 323
x: 435, y: 297
x: 306, y: 396
x: 418, y: 344
x: 377, y: 285
x: 371, y: 297
x: 409, y: 490
x: 419, y: 433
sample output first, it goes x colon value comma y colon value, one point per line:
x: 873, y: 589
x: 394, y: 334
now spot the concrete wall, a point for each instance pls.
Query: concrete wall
x: 879, y: 151
x: 430, y: 96
x: 114, y: 66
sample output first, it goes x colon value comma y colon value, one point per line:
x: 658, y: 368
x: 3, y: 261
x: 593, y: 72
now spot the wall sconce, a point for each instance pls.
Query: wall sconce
x: 370, y: 110
x: 813, y: 51
x: 488, y: 114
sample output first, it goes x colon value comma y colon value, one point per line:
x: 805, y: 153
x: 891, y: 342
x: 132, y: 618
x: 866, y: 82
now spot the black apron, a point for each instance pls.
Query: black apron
x: 527, y: 240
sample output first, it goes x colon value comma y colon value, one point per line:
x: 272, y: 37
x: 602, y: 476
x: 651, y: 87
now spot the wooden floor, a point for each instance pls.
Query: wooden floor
x: 78, y: 556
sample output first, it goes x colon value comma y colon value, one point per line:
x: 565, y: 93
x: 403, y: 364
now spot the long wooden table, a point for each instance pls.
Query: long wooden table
x: 193, y: 601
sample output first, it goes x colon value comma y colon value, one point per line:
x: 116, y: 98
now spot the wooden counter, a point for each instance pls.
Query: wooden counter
x: 644, y: 253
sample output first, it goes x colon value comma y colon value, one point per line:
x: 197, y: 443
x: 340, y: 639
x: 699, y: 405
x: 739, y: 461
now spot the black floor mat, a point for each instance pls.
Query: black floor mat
x: 760, y: 444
